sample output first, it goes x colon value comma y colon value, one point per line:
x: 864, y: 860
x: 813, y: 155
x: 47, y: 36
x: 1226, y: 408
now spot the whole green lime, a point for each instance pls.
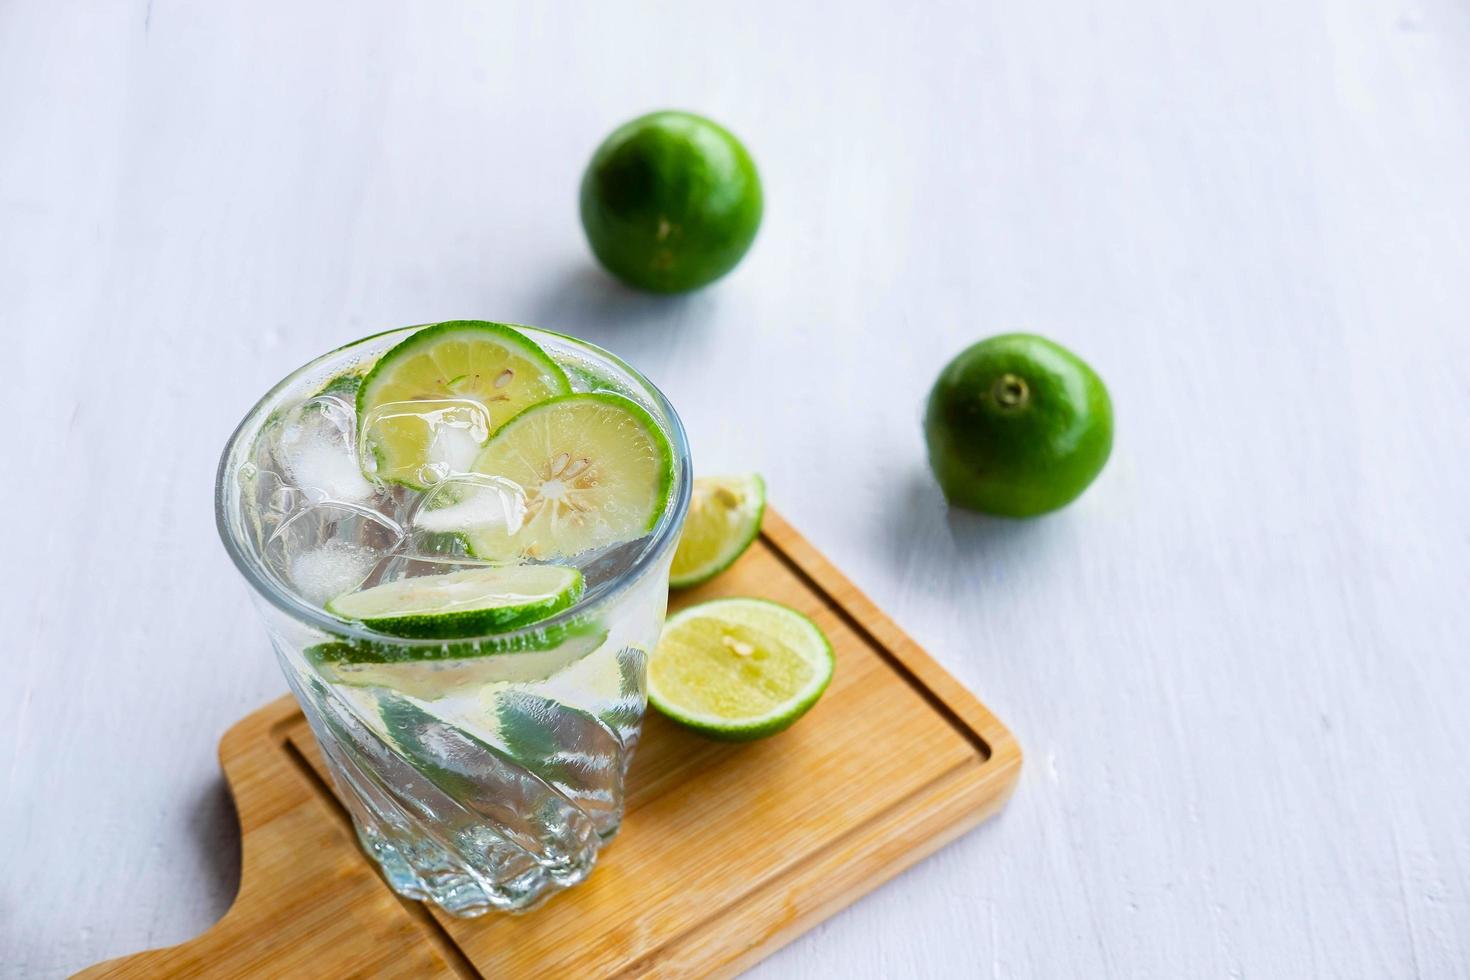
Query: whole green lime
x: 1017, y: 426
x: 670, y: 202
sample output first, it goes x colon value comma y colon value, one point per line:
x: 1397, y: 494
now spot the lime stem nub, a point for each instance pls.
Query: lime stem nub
x: 1010, y: 391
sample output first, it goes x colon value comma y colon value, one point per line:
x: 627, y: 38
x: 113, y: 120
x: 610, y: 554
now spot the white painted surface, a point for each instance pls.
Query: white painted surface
x: 1239, y: 665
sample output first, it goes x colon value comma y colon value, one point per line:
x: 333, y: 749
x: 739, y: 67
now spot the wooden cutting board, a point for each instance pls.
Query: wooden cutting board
x: 728, y: 852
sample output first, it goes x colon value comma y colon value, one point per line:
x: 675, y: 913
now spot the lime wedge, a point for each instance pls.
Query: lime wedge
x: 595, y: 469
x: 724, y: 518
x: 463, y: 603
x: 739, y: 669
x: 430, y: 403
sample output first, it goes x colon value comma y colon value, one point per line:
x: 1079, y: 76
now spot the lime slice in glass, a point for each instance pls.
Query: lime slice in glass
x: 724, y: 518
x: 595, y: 469
x: 434, y: 679
x: 463, y: 603
x: 739, y: 669
x: 430, y: 403
x: 587, y: 632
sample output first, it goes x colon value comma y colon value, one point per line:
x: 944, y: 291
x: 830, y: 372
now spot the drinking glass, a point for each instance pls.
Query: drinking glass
x: 481, y: 773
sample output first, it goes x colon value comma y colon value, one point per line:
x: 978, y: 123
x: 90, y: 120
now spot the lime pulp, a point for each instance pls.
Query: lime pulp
x: 739, y: 669
x: 724, y: 519
x: 595, y: 468
x: 431, y: 402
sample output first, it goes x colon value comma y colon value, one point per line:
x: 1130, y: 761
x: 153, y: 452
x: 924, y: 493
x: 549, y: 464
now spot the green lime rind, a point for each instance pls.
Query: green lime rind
x: 463, y: 603
x: 492, y: 547
x: 344, y: 386
x: 432, y: 333
x: 422, y: 341
x: 659, y: 439
x: 431, y: 679
x: 371, y: 651
x: 685, y: 576
x: 645, y: 418
x: 796, y: 632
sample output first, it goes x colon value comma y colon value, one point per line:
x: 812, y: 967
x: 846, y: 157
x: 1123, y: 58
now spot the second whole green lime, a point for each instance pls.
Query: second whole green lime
x: 670, y: 202
x: 1017, y: 426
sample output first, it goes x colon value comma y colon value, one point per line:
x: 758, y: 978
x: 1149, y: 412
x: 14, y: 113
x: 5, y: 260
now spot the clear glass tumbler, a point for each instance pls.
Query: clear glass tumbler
x: 482, y: 773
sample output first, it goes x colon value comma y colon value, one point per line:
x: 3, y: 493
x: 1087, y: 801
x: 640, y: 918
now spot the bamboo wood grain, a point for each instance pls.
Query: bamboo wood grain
x: 727, y: 852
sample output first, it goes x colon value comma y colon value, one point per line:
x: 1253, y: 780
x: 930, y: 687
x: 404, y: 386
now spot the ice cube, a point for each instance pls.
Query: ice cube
x: 334, y: 569
x: 328, y: 548
x: 317, y: 450
x: 461, y: 505
x: 448, y: 432
x: 472, y: 502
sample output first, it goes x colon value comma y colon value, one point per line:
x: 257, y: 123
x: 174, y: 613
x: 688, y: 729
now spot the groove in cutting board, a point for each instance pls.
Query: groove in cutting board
x: 434, y: 932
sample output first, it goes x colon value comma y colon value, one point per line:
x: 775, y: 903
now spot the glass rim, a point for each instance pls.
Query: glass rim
x: 252, y: 567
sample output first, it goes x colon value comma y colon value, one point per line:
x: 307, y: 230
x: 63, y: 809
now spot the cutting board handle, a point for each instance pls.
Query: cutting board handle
x: 288, y: 855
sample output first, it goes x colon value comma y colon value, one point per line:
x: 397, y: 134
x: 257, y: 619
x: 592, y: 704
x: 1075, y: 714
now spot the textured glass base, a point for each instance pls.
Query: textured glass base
x: 493, y: 800
x: 465, y: 893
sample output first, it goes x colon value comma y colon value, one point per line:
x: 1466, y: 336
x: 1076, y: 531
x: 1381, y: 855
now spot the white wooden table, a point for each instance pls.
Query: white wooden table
x: 1240, y: 665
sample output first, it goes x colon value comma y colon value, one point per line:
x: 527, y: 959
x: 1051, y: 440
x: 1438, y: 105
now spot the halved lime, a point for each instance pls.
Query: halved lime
x: 463, y: 603
x: 739, y: 669
x: 431, y: 402
x: 433, y: 679
x: 724, y: 518
x: 595, y: 469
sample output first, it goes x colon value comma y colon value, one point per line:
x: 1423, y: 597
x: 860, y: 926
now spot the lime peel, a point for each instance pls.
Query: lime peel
x: 463, y: 603
x: 536, y: 638
x: 435, y: 678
